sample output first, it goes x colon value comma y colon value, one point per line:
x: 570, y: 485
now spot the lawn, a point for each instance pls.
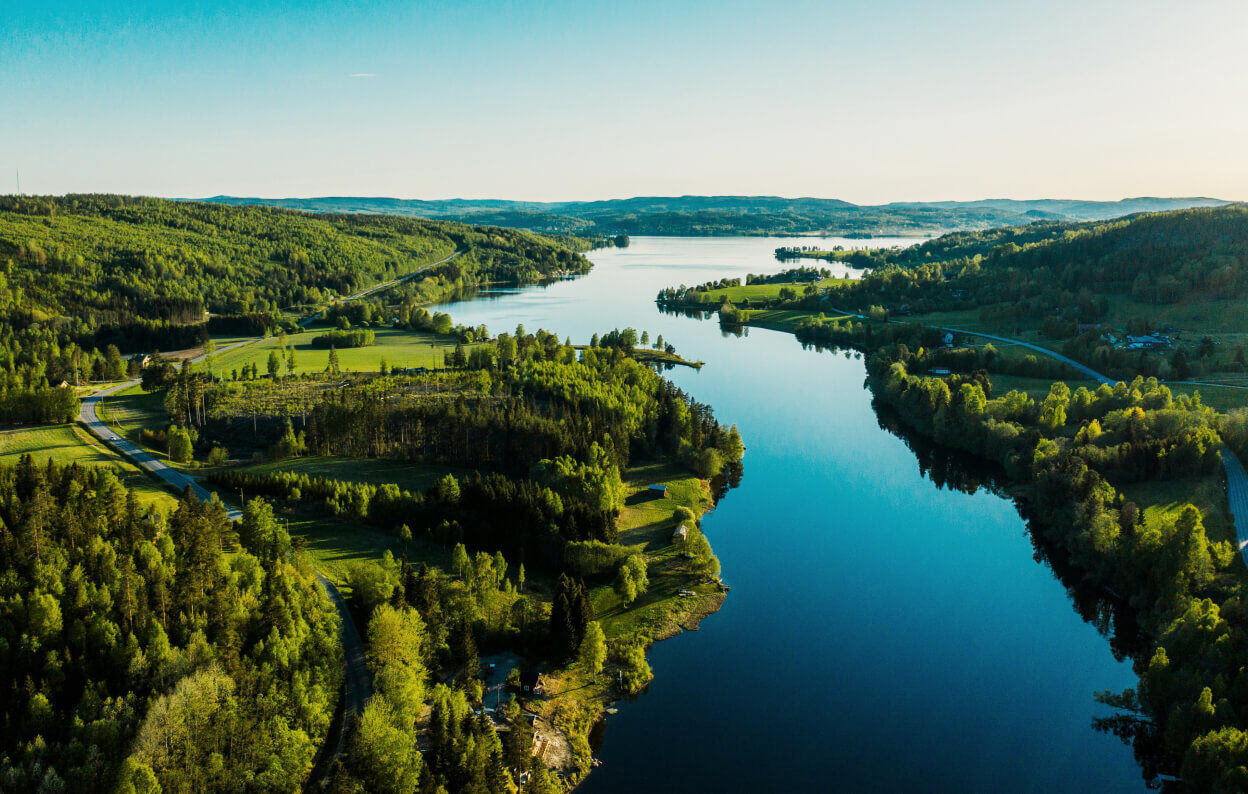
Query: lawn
x: 647, y: 524
x: 1036, y: 388
x: 71, y: 444
x: 409, y: 476
x: 400, y: 348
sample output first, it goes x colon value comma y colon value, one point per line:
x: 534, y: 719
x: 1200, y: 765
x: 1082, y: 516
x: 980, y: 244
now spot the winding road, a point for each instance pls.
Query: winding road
x: 357, y: 683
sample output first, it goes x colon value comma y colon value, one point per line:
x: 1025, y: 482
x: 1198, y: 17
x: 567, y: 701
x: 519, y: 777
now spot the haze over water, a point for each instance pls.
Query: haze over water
x: 882, y: 633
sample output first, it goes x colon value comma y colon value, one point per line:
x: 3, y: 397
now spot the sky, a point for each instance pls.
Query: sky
x: 865, y: 100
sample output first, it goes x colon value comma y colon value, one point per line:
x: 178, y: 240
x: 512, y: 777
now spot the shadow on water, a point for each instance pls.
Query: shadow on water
x: 1112, y: 617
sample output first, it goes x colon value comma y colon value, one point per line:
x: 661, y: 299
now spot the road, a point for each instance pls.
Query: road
x: 1044, y: 351
x: 357, y: 683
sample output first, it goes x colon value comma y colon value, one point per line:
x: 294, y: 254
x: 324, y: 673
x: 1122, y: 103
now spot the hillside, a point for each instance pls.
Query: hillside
x: 716, y: 215
x: 91, y: 261
x: 85, y: 279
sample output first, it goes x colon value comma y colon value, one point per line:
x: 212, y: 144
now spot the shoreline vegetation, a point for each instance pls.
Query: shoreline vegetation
x: 1121, y: 484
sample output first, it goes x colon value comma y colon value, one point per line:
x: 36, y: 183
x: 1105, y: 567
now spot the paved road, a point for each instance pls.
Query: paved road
x: 1044, y: 351
x: 357, y: 681
x: 357, y: 684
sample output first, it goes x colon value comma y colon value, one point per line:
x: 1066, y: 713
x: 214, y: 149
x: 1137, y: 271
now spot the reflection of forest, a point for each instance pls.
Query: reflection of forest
x: 1113, y: 618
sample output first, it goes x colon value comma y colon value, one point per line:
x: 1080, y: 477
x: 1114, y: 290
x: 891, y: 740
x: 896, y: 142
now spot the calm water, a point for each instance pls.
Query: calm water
x: 882, y: 633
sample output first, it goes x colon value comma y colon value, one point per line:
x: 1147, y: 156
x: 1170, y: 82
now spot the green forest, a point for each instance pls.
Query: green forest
x: 88, y: 281
x: 144, y: 652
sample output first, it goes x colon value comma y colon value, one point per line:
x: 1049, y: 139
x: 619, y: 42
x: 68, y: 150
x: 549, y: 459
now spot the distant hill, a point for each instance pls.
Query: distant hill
x: 722, y: 215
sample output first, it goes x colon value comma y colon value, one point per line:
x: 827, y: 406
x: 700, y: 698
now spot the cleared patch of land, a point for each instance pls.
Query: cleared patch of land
x: 71, y: 444
x: 752, y: 292
x: 400, y: 348
x: 132, y: 410
x: 336, y: 545
x: 408, y: 476
x: 1166, y: 498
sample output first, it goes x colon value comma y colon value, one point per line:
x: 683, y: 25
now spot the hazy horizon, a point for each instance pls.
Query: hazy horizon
x: 558, y: 101
x: 692, y: 195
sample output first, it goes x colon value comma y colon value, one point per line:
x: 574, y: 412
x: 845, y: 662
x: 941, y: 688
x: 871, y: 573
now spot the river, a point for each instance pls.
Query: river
x: 883, y: 633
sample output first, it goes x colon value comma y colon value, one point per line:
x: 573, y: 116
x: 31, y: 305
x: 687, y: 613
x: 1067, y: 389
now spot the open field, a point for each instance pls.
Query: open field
x: 751, y: 292
x: 1220, y: 398
x: 132, y: 410
x: 71, y: 444
x: 1162, y: 498
x: 1036, y: 388
x: 647, y: 524
x: 400, y: 348
x: 336, y: 545
x: 408, y: 476
x: 783, y: 319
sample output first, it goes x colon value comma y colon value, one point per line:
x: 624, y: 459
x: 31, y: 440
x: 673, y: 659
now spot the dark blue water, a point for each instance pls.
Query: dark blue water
x: 882, y: 633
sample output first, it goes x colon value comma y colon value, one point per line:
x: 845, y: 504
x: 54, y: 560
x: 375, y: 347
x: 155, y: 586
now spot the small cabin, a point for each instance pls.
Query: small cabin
x: 654, y: 489
x: 681, y: 534
x: 530, y: 682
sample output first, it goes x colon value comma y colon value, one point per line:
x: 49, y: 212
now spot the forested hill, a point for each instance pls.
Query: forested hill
x: 92, y: 260
x: 720, y: 215
x: 1154, y: 258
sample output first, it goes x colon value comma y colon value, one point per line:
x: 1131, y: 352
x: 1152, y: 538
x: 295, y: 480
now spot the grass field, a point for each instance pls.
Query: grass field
x: 752, y: 292
x: 783, y: 319
x: 132, y: 410
x: 409, y: 476
x: 400, y: 348
x: 69, y: 444
x: 336, y: 545
x: 1166, y: 498
x: 1220, y: 398
x: 647, y: 524
x: 1036, y: 388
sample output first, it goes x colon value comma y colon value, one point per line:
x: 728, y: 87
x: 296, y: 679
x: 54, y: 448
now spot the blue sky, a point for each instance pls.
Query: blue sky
x: 866, y: 101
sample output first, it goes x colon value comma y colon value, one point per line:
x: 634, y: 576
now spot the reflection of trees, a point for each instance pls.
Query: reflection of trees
x: 1112, y: 617
x: 728, y: 478
x: 694, y: 314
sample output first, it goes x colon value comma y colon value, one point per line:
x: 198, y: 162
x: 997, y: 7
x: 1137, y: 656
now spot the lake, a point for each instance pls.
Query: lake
x: 883, y: 633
